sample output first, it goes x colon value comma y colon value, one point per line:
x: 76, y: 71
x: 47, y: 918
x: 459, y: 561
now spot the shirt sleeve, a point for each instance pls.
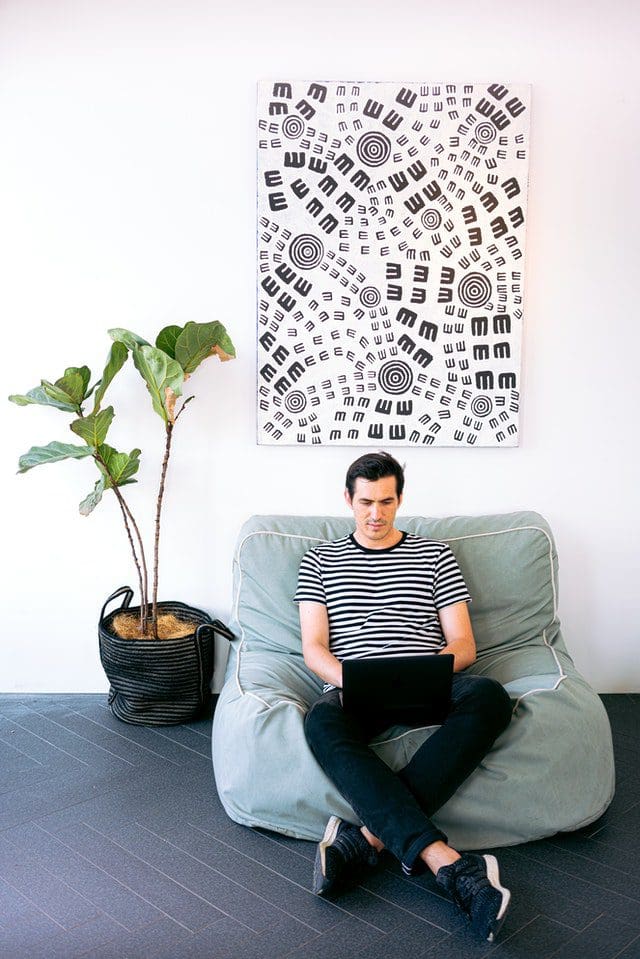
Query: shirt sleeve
x: 310, y: 585
x: 450, y: 586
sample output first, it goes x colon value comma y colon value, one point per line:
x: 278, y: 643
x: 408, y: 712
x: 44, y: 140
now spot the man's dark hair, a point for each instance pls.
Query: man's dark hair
x: 372, y: 467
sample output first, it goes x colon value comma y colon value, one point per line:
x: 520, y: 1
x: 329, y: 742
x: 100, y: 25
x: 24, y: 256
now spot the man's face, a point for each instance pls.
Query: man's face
x: 374, y: 505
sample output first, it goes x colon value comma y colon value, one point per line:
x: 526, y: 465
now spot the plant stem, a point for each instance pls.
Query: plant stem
x: 156, y: 548
x: 184, y: 403
x: 144, y: 580
x: 128, y: 518
x: 143, y: 615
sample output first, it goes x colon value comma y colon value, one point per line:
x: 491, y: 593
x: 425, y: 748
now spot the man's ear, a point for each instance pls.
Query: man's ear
x: 347, y: 498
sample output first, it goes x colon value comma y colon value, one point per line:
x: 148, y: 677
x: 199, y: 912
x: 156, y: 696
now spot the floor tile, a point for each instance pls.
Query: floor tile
x: 114, y: 845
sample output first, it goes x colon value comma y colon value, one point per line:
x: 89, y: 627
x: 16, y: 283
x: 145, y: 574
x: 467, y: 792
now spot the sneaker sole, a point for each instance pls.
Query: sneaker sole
x: 493, y: 875
x: 321, y: 884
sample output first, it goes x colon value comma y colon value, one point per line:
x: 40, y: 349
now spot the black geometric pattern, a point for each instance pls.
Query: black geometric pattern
x: 391, y: 237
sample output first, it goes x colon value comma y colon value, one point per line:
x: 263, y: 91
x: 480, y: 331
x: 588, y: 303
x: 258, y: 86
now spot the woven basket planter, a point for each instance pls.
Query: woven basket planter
x: 158, y: 682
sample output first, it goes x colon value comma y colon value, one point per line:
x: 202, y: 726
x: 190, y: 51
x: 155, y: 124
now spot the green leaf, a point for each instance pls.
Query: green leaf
x: 93, y: 429
x: 121, y: 466
x: 52, y: 453
x: 90, y: 502
x: 131, y: 340
x: 83, y: 372
x: 68, y: 389
x: 74, y: 382
x: 66, y: 394
x: 38, y: 396
x: 199, y: 340
x: 160, y: 373
x: 166, y: 340
x: 115, y: 361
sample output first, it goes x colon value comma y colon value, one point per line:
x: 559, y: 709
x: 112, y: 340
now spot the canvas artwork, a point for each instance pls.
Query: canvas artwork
x: 391, y: 240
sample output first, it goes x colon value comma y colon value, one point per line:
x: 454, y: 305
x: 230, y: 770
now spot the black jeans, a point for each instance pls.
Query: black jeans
x: 396, y: 807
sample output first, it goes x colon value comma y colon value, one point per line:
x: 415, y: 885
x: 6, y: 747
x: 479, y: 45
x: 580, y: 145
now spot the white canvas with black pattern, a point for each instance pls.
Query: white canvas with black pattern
x: 391, y: 240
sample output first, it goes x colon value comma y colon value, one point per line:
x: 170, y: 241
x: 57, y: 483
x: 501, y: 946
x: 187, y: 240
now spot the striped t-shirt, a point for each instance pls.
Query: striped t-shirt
x: 382, y: 602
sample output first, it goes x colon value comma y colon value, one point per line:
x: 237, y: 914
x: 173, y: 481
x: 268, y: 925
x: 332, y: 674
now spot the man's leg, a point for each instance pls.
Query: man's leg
x: 384, y: 803
x: 480, y: 711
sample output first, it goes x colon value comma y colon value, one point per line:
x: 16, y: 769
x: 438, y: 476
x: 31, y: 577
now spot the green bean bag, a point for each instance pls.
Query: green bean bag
x: 551, y: 770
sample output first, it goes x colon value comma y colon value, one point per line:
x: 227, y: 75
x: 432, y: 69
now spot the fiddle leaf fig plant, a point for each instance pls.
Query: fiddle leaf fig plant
x: 164, y: 367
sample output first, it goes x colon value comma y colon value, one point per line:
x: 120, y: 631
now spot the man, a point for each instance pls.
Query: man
x: 384, y: 592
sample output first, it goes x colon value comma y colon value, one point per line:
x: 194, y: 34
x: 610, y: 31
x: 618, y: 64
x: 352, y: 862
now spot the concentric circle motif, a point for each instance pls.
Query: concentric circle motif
x: 431, y: 219
x: 395, y: 377
x: 306, y: 251
x: 293, y: 127
x: 373, y: 149
x: 481, y: 405
x: 295, y: 402
x: 485, y: 133
x: 474, y: 290
x: 370, y: 297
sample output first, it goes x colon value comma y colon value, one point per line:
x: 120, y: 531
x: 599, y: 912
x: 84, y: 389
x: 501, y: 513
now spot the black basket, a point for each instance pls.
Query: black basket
x: 158, y: 682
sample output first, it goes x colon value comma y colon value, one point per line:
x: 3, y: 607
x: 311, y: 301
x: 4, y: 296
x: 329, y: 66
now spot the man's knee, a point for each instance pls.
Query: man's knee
x: 490, y: 699
x: 312, y: 720
x: 499, y: 702
x: 320, y: 717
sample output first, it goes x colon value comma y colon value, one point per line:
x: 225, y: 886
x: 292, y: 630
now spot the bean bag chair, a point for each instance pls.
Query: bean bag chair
x: 552, y: 769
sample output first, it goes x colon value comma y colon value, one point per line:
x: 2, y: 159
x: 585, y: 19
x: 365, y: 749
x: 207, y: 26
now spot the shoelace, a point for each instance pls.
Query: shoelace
x: 469, y: 880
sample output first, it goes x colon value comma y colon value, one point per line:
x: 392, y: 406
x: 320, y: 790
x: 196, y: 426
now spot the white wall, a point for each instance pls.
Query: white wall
x: 127, y: 197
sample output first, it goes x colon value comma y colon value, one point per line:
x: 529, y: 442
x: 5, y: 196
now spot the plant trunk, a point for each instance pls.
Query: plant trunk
x: 156, y: 548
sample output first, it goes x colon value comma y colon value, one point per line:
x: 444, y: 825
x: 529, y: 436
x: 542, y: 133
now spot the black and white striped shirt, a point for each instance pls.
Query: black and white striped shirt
x: 382, y: 602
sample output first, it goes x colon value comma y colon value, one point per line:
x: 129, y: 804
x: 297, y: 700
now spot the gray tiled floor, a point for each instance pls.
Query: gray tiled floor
x: 113, y: 845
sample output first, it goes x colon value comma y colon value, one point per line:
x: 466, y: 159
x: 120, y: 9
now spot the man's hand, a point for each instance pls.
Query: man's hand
x: 458, y: 635
x: 314, y: 624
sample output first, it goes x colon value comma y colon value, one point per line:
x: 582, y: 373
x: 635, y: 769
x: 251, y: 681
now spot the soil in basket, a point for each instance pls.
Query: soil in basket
x: 127, y: 626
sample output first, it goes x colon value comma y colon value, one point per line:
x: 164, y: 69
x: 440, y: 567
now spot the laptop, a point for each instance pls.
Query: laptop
x: 411, y: 689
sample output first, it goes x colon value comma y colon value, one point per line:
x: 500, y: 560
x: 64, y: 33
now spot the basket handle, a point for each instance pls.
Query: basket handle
x: 217, y: 627
x: 118, y: 592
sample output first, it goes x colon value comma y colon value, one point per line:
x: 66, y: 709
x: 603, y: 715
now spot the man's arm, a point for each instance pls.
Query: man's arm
x: 314, y: 623
x: 458, y: 635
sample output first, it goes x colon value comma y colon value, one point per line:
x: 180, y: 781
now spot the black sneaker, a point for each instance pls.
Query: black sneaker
x: 473, y: 882
x: 341, y: 849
